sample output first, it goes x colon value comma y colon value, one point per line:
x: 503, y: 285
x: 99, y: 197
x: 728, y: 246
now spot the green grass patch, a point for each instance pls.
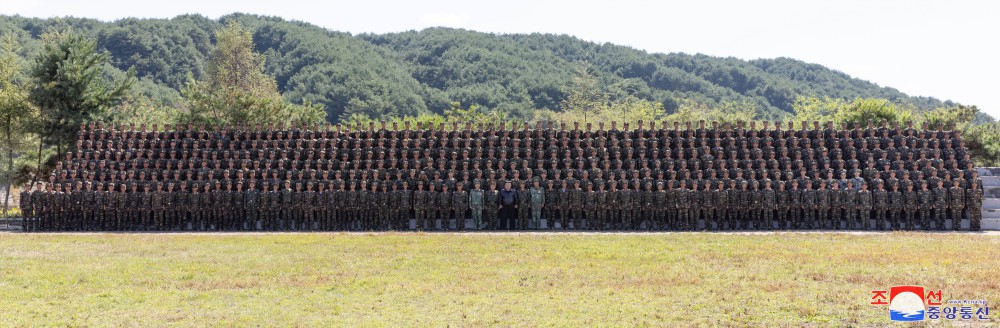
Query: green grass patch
x: 415, y: 279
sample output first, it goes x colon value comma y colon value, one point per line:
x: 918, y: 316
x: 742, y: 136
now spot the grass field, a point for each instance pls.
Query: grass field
x: 674, y: 279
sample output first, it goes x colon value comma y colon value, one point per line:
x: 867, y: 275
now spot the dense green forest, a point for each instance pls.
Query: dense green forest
x: 423, y: 72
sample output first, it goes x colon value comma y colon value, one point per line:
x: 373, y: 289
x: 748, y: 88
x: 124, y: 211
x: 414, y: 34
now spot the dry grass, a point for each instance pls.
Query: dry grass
x: 677, y: 279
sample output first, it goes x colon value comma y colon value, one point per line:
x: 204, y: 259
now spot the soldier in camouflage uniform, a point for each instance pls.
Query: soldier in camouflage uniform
x: 974, y: 206
x: 491, y: 207
x: 523, y: 205
x: 421, y: 199
x: 443, y: 203
x: 145, y: 207
x: 825, y: 206
x: 769, y: 204
x: 897, y: 204
x: 849, y: 201
x: 476, y: 204
x: 287, y: 206
x: 956, y: 196
x: 365, y: 204
x: 940, y: 205
x: 721, y: 205
x: 880, y: 198
x: 265, y: 206
x: 683, y: 197
x: 406, y: 206
x: 575, y: 206
x: 395, y: 207
x: 252, y: 201
x: 925, y: 198
x: 864, y: 207
x: 537, y: 194
x: 810, y: 205
x: 460, y: 204
x: 551, y: 207
x: 601, y: 202
x: 659, y: 220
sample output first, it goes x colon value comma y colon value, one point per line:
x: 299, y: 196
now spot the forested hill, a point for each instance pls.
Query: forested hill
x: 425, y: 71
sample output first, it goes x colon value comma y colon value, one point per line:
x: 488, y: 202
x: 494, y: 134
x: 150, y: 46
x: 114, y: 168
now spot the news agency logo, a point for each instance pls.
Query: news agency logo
x: 906, y: 303
x: 916, y: 303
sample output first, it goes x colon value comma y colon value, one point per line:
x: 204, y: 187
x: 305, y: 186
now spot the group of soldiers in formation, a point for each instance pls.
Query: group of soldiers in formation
x: 491, y: 177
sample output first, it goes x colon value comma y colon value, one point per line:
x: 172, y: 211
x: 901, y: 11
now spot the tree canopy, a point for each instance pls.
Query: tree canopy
x: 523, y: 76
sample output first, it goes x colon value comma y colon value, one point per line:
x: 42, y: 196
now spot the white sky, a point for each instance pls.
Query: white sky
x: 944, y: 49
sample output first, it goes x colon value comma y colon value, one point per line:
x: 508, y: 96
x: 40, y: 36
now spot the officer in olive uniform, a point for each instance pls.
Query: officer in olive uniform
x: 476, y: 204
x: 537, y: 195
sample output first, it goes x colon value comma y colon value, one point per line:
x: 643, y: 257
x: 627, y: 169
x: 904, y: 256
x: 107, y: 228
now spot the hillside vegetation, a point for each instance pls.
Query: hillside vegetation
x: 422, y: 72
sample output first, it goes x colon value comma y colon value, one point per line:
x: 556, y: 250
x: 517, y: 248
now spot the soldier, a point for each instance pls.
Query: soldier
x: 443, y: 204
x: 206, y: 214
x: 626, y: 200
x: 925, y: 198
x: 683, y: 197
x: 849, y: 201
x: 265, y: 206
x: 897, y: 214
x: 810, y: 206
x: 575, y: 206
x: 721, y: 196
x: 537, y: 195
x: 239, y: 215
x: 476, y: 198
x: 422, y: 200
x: 825, y: 206
x: 460, y: 204
x: 146, y: 206
x: 956, y: 194
x: 551, y: 207
x: 911, y: 198
x: 395, y: 207
x: 940, y: 204
x: 491, y: 205
x: 769, y: 204
x: 974, y: 206
x: 864, y: 207
x: 252, y: 200
x: 362, y: 206
x: 523, y: 206
x: 406, y: 206
x: 287, y: 207
x: 756, y: 206
x: 601, y: 208
x: 881, y: 199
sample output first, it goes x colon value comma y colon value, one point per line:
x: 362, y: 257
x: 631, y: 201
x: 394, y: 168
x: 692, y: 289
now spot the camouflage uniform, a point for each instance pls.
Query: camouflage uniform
x: 925, y: 198
x: 460, y: 204
x: 940, y: 206
x: 443, y: 203
x: 880, y: 198
x: 864, y: 207
x: 956, y: 195
x: 974, y: 206
x: 491, y: 208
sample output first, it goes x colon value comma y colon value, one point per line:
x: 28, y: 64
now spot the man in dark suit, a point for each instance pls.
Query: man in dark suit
x: 508, y: 206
